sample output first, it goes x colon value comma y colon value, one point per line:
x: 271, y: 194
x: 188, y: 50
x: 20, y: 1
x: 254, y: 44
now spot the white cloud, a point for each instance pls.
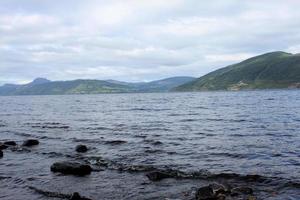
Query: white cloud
x: 139, y: 39
x: 228, y: 57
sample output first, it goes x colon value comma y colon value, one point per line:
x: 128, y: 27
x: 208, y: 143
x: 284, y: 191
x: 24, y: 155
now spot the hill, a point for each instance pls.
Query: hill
x: 42, y: 86
x: 163, y: 85
x: 267, y: 71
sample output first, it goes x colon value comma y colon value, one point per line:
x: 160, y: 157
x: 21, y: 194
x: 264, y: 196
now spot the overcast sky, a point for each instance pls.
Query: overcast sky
x: 139, y: 40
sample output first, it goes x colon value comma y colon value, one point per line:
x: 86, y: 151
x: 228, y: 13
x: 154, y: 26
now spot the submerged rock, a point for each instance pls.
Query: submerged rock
x: 81, y: 148
x: 157, y: 176
x: 241, y: 190
x: 115, y: 142
x: 219, y: 189
x: 10, y: 143
x: 76, y: 196
x: 1, y: 154
x: 220, y: 192
x: 3, y: 146
x: 71, y: 168
x: 205, y: 193
x: 30, y: 142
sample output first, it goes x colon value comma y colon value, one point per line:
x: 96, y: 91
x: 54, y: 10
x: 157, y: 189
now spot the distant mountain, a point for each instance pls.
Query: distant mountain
x: 163, y: 85
x: 38, y: 81
x: 45, y: 87
x: 267, y: 71
x: 41, y: 86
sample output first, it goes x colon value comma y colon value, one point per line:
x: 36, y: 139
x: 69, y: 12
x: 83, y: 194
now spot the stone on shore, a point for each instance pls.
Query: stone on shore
x: 73, y: 168
x: 1, y: 154
x: 81, y: 148
x: 30, y: 142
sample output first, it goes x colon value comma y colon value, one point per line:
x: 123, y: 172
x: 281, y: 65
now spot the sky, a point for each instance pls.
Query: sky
x: 139, y: 40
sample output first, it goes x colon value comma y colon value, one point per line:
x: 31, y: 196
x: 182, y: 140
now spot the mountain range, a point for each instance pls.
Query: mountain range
x: 268, y: 71
x: 42, y: 86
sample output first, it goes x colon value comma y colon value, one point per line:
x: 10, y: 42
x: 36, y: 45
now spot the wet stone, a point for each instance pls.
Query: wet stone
x: 1, y: 153
x: 157, y: 176
x: 10, y: 143
x: 241, y: 191
x: 115, y: 142
x: 219, y: 189
x: 76, y: 196
x: 81, y: 148
x: 252, y: 198
x: 30, y: 142
x: 205, y: 193
x: 73, y: 168
x: 221, y: 197
x: 3, y: 146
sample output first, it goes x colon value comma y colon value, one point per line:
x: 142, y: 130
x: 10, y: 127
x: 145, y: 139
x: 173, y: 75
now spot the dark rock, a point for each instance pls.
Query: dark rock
x: 115, y: 142
x: 221, y: 197
x: 219, y: 189
x: 153, y: 142
x: 157, y: 176
x: 241, y: 190
x: 76, y: 196
x: 1, y: 154
x: 71, y: 168
x: 10, y: 143
x: 205, y: 193
x: 254, y: 177
x: 157, y: 143
x: 81, y: 148
x: 3, y: 146
x: 30, y: 142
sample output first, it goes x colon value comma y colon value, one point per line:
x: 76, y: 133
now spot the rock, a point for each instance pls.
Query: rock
x: 157, y: 143
x: 219, y: 189
x: 1, y: 154
x: 10, y: 143
x: 157, y: 176
x: 71, y: 168
x: 221, y: 197
x: 115, y: 142
x: 3, y: 146
x: 241, y: 190
x: 76, y: 196
x: 205, y: 193
x: 81, y: 148
x: 30, y: 142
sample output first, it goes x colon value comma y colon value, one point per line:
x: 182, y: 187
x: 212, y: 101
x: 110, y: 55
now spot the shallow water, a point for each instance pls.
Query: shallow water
x: 253, y: 132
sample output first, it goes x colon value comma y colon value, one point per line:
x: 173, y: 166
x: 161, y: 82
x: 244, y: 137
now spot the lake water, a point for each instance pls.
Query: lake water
x: 196, y: 134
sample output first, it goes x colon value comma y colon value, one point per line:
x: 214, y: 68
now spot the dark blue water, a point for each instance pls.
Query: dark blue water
x: 253, y: 132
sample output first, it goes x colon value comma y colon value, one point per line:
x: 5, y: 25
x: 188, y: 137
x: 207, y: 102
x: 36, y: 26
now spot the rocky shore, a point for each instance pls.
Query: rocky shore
x: 222, y: 186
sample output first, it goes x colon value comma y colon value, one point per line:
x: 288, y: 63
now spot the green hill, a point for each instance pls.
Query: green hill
x: 42, y: 86
x: 267, y: 71
x: 63, y: 87
x: 163, y: 85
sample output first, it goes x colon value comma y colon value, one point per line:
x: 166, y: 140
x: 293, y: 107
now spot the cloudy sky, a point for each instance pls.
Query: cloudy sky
x: 139, y: 40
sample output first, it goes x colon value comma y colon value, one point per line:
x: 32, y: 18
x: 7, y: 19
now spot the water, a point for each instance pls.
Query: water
x: 253, y: 132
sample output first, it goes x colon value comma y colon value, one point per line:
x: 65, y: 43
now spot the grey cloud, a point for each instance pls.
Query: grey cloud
x: 138, y: 40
